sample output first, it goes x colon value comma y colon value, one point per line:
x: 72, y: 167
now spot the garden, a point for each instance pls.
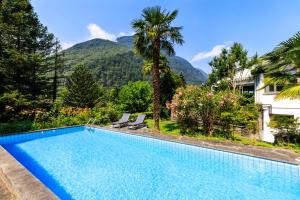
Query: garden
x: 34, y: 93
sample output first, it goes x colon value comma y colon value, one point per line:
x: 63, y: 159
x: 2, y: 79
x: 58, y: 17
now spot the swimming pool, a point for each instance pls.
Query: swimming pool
x: 91, y: 163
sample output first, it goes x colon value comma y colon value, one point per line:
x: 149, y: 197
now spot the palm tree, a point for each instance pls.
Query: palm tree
x: 282, y: 67
x: 163, y: 65
x: 154, y: 33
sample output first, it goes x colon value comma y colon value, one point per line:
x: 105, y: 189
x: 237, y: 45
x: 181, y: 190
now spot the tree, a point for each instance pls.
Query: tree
x: 225, y: 66
x: 282, y: 67
x: 24, y: 46
x: 135, y: 97
x: 169, y: 82
x: 163, y: 65
x: 58, y: 63
x: 153, y: 34
x: 82, y: 89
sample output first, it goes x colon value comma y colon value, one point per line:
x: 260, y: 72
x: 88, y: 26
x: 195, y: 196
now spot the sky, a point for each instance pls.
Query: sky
x: 208, y: 25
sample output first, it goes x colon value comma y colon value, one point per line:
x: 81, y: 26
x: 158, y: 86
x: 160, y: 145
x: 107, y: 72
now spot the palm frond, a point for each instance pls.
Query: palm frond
x: 154, y: 29
x: 163, y: 65
x: 171, y: 16
x: 168, y: 47
x: 175, y: 35
x: 281, y: 79
x: 291, y: 42
x: 289, y: 92
x: 138, y: 25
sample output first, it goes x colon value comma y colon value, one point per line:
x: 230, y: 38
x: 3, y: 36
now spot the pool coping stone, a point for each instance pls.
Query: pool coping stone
x: 20, y: 182
x: 274, y: 154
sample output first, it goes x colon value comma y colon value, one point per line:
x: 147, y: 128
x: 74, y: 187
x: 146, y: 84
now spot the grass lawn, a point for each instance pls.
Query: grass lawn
x: 166, y: 126
x: 171, y: 127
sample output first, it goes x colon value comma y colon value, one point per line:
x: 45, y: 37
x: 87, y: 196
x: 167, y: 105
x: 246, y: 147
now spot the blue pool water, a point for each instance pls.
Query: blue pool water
x: 89, y: 163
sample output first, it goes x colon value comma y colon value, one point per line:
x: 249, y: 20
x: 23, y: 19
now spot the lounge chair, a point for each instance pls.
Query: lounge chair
x: 139, y: 122
x: 122, y: 122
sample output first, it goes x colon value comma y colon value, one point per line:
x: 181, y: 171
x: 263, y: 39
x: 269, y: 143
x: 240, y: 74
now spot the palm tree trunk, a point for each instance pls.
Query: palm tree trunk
x: 156, y: 86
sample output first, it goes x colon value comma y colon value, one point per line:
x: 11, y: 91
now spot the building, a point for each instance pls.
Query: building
x: 266, y: 97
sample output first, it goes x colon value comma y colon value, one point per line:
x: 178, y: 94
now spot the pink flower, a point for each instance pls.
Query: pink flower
x: 210, y: 94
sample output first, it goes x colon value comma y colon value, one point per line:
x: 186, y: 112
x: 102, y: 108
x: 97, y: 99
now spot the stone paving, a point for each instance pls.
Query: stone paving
x: 19, y: 183
x: 5, y: 193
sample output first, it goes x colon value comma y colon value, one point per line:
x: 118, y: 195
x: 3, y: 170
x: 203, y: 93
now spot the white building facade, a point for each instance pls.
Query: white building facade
x: 266, y: 97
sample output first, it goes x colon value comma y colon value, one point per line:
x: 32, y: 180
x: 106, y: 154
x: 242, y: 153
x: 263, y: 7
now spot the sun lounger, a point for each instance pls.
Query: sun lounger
x: 122, y: 122
x: 139, y: 122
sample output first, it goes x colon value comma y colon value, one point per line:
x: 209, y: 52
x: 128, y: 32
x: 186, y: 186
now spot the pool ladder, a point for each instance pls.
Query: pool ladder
x: 91, y: 121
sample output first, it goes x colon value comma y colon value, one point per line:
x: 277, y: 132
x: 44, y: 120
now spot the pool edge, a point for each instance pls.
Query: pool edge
x: 20, y: 181
x: 186, y: 142
x: 34, y: 131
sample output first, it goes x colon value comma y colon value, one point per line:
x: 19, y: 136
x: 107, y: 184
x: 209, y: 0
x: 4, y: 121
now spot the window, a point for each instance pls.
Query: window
x: 273, y: 88
x: 294, y: 80
x: 279, y: 88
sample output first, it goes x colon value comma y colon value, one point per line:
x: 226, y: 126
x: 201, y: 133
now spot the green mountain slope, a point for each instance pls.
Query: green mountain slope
x: 115, y: 64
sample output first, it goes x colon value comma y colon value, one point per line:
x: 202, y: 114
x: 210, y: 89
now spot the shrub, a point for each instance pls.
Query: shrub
x: 105, y: 115
x: 165, y: 113
x: 286, y: 129
x: 135, y: 97
x: 15, y: 126
x: 193, y: 105
x: 219, y: 112
x: 66, y: 116
x: 227, y: 112
x: 247, y: 118
x: 149, y: 115
x: 12, y: 105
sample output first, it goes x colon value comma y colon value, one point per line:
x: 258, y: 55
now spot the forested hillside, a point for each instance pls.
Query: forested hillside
x: 115, y: 64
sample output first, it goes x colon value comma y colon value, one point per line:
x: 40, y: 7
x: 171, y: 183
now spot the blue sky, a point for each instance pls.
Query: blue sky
x: 209, y: 25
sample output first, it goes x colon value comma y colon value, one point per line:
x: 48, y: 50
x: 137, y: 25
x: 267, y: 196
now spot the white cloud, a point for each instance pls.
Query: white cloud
x: 66, y: 45
x: 125, y: 34
x: 216, y: 50
x: 97, y: 32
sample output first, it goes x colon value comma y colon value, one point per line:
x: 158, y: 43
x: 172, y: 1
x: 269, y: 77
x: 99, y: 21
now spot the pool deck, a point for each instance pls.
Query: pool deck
x: 5, y: 192
x: 277, y: 154
x: 16, y: 182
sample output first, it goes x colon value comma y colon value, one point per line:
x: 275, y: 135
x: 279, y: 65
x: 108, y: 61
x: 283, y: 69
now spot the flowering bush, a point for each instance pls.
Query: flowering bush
x: 220, y: 112
x: 193, y: 106
x: 68, y: 116
x: 65, y: 116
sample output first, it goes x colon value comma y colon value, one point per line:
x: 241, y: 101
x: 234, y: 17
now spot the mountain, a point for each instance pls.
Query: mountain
x: 115, y: 64
x: 191, y: 74
x: 126, y: 40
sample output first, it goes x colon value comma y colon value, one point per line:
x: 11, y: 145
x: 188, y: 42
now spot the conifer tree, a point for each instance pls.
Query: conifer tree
x: 82, y: 89
x: 24, y: 46
x: 57, y: 64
